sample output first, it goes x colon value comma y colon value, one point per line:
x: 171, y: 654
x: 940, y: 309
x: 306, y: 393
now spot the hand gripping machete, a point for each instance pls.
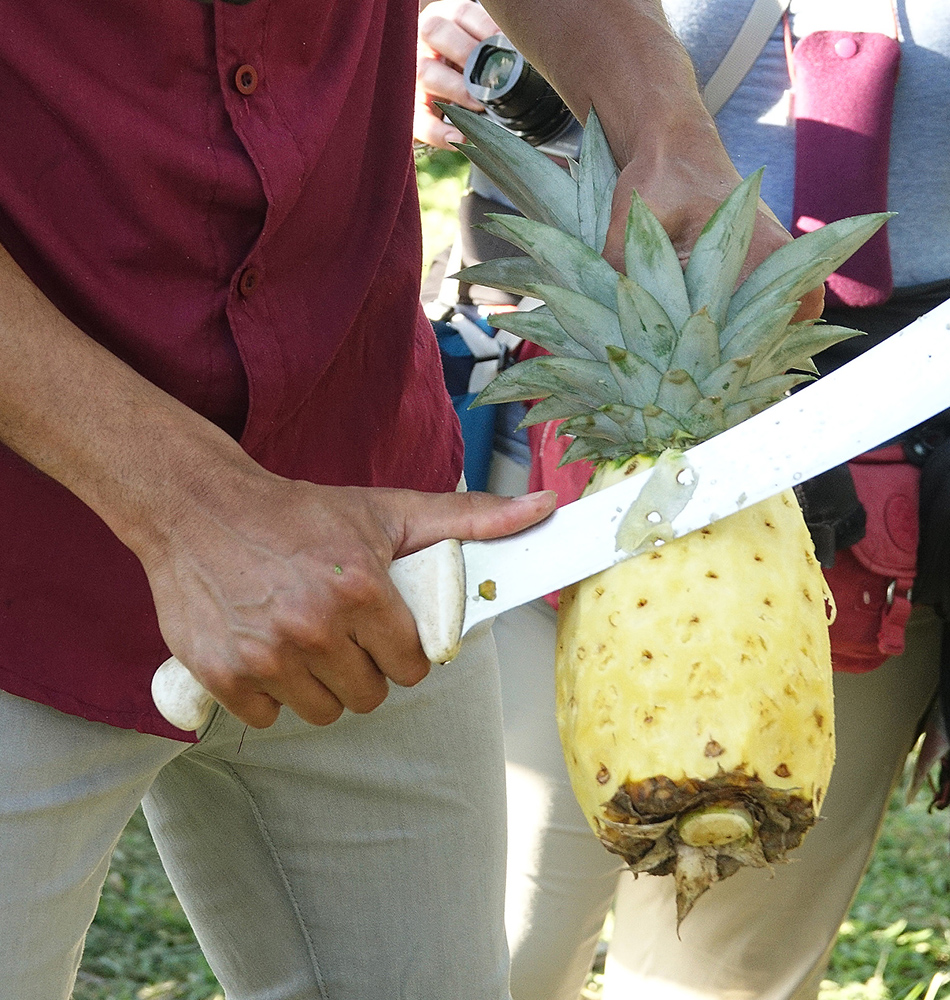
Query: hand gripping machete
x: 451, y: 587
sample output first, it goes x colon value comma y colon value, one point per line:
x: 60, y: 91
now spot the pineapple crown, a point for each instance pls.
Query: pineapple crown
x: 661, y: 356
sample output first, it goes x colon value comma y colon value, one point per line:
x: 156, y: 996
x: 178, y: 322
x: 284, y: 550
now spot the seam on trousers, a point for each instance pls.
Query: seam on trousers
x: 275, y: 857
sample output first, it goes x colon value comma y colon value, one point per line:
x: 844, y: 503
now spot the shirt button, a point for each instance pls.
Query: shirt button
x: 249, y: 280
x: 245, y: 79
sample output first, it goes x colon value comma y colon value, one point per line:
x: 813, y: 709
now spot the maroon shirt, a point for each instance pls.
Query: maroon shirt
x: 224, y: 197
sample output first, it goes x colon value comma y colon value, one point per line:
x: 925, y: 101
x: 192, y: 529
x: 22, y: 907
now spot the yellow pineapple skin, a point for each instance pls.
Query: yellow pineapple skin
x: 703, y: 660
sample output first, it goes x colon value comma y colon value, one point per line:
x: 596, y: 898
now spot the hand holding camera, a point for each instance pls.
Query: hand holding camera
x: 463, y: 59
x: 449, y: 30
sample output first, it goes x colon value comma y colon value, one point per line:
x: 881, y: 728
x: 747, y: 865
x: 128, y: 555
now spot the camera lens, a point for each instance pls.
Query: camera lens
x: 514, y: 93
x: 495, y: 69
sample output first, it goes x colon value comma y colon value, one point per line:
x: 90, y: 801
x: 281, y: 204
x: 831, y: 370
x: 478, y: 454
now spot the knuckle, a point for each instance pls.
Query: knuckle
x: 360, y: 587
x: 302, y: 627
x: 323, y: 713
x: 427, y: 73
x: 232, y: 686
x: 257, y: 657
x: 411, y: 675
x: 368, y: 701
x: 218, y: 672
x: 258, y: 715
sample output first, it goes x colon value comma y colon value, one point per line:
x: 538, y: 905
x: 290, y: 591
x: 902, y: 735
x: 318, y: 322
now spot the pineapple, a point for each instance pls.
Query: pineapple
x: 693, y: 682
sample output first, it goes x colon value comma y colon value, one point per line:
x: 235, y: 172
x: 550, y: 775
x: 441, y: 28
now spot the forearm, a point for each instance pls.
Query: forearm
x: 72, y: 409
x: 621, y: 56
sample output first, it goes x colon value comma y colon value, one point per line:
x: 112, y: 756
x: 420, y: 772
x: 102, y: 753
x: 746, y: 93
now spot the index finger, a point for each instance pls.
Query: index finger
x: 453, y: 38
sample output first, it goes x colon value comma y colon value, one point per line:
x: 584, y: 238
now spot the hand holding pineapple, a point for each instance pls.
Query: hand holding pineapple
x: 694, y: 682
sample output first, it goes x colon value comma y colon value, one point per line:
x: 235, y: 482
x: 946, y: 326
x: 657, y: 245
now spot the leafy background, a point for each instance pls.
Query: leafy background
x: 895, y: 944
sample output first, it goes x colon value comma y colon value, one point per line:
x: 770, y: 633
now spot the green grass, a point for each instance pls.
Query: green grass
x: 441, y: 177
x: 895, y: 944
x: 140, y: 946
x: 897, y: 936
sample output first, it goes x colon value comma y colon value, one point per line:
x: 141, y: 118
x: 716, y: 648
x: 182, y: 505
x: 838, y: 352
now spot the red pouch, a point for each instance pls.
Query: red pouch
x: 844, y: 97
x: 871, y: 582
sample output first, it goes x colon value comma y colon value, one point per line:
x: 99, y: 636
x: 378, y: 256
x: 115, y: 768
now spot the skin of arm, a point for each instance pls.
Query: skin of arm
x: 271, y: 591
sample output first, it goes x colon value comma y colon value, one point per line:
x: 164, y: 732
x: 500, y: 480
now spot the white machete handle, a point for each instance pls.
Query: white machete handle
x: 430, y: 581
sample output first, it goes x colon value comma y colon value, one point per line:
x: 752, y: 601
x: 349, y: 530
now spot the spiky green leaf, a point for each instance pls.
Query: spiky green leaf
x: 508, y: 274
x: 647, y: 329
x: 533, y: 181
x: 827, y: 248
x: 774, y: 388
x: 653, y: 340
x: 761, y: 332
x: 697, y: 346
x: 663, y: 427
x: 595, y: 425
x: 717, y: 258
x: 726, y: 382
x: 706, y: 418
x: 566, y: 261
x: 651, y: 261
x: 803, y: 342
x: 753, y: 403
x: 678, y: 393
x: 587, y: 322
x: 786, y: 290
x: 596, y: 180
x: 594, y: 450
x: 555, y: 408
x: 738, y: 412
x: 629, y: 417
x: 540, y: 327
x: 638, y: 380
x: 539, y: 377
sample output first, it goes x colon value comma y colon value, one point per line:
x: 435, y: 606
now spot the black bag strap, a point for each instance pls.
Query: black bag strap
x: 835, y: 516
x: 932, y: 585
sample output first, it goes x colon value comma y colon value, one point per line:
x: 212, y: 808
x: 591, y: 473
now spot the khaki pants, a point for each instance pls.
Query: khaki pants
x: 358, y: 861
x: 751, y: 936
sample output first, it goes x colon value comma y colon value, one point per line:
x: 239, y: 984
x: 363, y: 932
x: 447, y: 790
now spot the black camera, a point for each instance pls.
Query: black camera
x: 518, y: 97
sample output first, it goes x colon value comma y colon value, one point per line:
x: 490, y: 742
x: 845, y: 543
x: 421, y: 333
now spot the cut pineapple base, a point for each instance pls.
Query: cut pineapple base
x: 694, y: 697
